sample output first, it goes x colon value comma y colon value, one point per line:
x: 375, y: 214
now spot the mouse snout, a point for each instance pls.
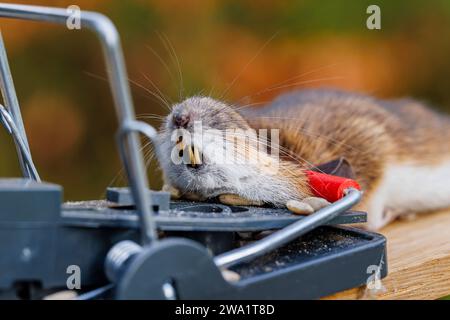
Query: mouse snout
x: 181, y: 120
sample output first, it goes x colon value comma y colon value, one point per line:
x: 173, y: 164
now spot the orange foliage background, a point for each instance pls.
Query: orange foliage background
x: 245, y: 52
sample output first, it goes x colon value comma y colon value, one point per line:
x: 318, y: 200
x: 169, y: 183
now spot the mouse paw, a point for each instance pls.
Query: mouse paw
x: 299, y: 207
x: 236, y: 200
x: 316, y: 203
x: 230, y: 276
x: 193, y: 197
x: 307, y: 205
x: 174, y: 192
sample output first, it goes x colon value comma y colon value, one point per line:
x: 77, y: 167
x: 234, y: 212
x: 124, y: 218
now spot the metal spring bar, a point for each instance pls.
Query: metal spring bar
x: 289, y: 233
x: 10, y: 125
x: 12, y: 104
x: 109, y: 38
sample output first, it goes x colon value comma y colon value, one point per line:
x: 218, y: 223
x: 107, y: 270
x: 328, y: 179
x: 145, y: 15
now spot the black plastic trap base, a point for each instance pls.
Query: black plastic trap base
x: 42, y: 237
x: 326, y: 261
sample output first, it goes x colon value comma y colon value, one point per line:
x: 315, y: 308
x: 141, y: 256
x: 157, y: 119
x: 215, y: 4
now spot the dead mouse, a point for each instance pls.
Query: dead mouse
x: 398, y: 151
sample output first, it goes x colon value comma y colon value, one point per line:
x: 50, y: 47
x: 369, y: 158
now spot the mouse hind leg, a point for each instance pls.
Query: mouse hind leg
x: 407, y: 189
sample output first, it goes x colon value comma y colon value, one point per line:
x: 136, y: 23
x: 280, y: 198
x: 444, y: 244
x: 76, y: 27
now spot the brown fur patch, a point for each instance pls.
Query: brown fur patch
x: 318, y: 126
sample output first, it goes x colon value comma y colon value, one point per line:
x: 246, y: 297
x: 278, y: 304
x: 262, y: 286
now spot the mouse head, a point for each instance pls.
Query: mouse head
x: 207, y: 148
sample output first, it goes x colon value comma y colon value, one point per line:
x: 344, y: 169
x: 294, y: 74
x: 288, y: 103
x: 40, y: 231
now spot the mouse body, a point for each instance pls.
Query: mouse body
x: 398, y: 150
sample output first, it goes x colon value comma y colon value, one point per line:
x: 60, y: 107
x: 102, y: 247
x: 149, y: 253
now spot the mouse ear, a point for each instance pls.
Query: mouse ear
x: 339, y: 167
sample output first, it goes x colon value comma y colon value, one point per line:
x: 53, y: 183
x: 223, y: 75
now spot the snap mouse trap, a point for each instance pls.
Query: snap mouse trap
x: 138, y: 244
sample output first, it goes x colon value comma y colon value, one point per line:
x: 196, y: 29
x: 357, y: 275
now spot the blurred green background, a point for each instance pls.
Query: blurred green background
x: 246, y: 51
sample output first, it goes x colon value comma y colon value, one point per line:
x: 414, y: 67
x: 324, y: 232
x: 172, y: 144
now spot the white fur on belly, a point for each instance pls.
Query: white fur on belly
x: 408, y: 188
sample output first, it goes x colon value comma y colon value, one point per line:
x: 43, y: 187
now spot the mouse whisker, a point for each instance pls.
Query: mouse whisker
x: 296, y: 84
x: 161, y: 60
x: 171, y: 50
x: 134, y: 83
x: 284, y: 151
x: 312, y: 134
x: 168, y: 101
x: 248, y: 105
x: 232, y: 83
x: 299, y: 76
x: 151, y: 117
x: 154, y: 94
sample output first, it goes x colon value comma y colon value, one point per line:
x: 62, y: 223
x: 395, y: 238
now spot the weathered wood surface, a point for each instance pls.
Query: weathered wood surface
x: 418, y: 260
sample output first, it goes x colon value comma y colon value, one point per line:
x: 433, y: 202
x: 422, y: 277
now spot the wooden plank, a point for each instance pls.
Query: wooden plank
x: 418, y: 260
